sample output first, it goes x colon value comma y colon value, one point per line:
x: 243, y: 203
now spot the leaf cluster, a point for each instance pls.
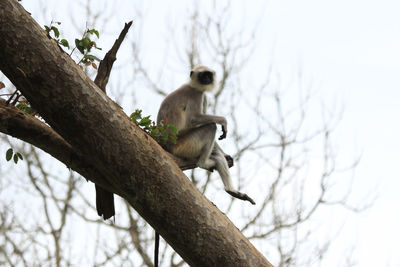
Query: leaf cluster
x: 164, y: 133
x: 16, y: 156
x: 51, y: 29
x: 84, y: 44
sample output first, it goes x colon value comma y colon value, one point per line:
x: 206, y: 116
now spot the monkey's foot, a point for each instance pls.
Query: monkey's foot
x: 241, y: 196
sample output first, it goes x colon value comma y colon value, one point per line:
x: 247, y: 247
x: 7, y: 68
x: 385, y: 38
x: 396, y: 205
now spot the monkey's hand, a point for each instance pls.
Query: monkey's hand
x: 223, y: 133
x: 241, y: 196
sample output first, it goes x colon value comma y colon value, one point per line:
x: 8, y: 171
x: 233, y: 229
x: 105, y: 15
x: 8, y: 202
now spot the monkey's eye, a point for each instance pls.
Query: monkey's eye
x: 191, y: 73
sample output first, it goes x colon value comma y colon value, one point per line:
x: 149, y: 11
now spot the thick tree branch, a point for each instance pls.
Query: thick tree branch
x: 137, y: 168
x: 27, y: 128
x: 18, y: 124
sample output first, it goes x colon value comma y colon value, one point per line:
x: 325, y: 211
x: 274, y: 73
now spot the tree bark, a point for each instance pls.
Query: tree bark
x: 127, y: 161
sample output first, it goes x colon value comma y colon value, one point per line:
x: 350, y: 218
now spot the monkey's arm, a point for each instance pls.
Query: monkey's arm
x: 205, y: 103
x: 202, y: 119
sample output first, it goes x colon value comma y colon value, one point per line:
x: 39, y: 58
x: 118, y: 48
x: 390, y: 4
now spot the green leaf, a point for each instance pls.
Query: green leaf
x: 15, y: 158
x: 85, y: 42
x: 19, y: 156
x: 47, y: 28
x: 56, y: 32
x: 58, y: 22
x: 136, y: 116
x: 94, y: 31
x: 79, y: 46
x: 163, y: 133
x: 64, y: 43
x: 9, y: 154
x: 145, y: 121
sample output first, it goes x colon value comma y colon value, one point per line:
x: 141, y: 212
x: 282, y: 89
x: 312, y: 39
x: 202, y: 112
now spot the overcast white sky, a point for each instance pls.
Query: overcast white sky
x: 352, y: 50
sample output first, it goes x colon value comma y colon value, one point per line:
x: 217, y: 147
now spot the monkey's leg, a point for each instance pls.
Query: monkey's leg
x: 197, y: 143
x: 208, y: 140
x: 223, y: 169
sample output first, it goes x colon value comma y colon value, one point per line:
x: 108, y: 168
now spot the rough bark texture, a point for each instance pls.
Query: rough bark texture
x: 123, y: 156
x: 27, y: 128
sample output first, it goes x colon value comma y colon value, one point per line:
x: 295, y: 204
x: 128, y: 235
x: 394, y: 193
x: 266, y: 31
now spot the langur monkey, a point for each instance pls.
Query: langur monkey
x: 185, y: 109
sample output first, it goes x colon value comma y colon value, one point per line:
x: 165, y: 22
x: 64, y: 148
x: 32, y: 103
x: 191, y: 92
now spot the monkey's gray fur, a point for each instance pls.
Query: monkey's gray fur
x: 185, y: 109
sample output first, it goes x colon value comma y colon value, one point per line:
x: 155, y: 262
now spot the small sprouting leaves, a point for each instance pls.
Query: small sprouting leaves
x: 84, y: 45
x: 163, y: 133
x: 10, y: 155
x: 53, y: 29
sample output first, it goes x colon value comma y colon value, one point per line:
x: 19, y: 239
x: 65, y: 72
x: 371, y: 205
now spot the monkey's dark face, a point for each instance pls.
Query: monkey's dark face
x: 202, y: 78
x: 205, y: 77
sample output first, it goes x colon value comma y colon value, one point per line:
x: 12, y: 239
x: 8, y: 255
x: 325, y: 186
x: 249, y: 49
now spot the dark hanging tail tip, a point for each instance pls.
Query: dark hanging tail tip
x: 104, y: 203
x: 241, y: 196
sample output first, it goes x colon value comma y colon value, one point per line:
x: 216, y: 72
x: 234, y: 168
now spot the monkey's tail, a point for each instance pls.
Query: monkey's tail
x: 104, y: 203
x: 156, y: 248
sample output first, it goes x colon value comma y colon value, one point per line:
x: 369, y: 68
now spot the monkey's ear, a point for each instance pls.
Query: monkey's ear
x: 191, y: 73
